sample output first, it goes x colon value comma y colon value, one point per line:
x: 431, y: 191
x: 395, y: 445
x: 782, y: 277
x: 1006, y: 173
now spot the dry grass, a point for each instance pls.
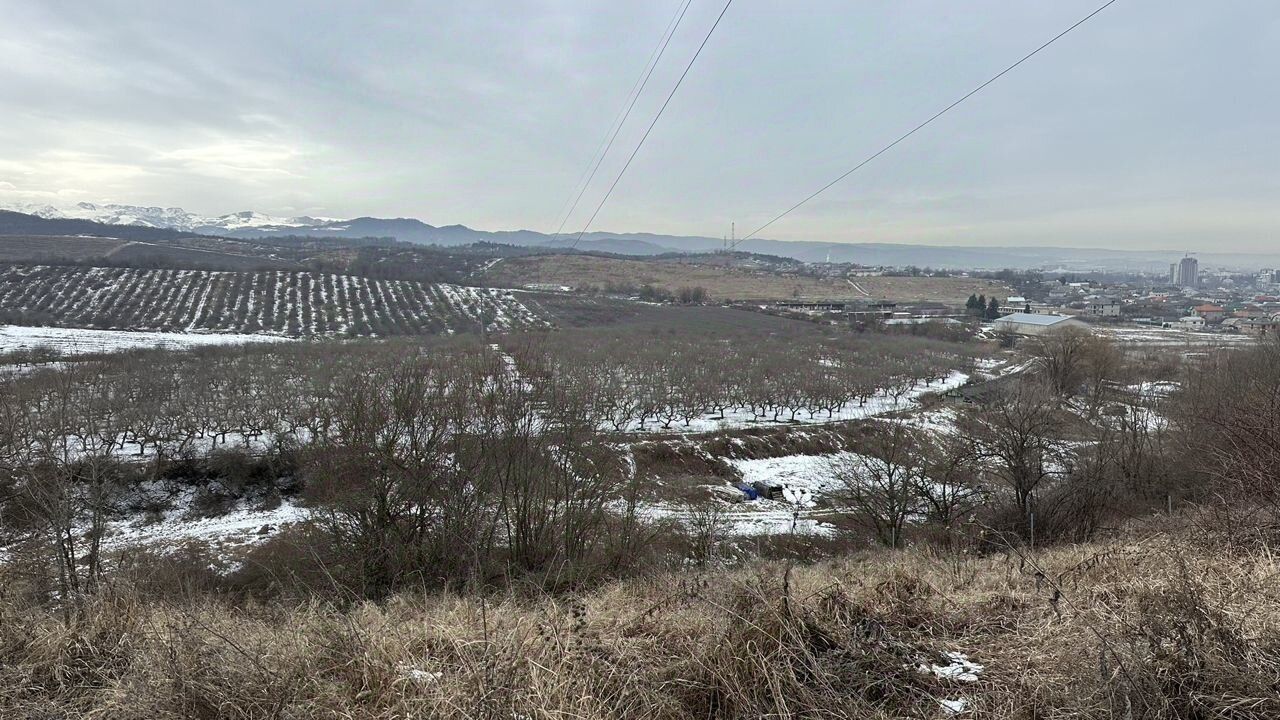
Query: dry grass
x: 20, y: 248
x: 730, y: 284
x: 1141, y: 629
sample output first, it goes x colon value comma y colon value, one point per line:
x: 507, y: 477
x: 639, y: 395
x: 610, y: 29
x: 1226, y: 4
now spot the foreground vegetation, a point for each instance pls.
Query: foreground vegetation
x: 1146, y: 625
x: 1097, y: 533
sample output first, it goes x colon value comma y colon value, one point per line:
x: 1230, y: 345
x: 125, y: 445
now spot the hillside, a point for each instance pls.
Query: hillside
x: 294, y: 303
x: 251, y: 225
x: 14, y: 223
x: 726, y: 284
x: 26, y: 248
x: 172, y: 218
x: 1140, y: 628
x: 185, y: 253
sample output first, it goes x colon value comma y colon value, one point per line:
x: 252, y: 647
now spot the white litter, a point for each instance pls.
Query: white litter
x: 958, y: 668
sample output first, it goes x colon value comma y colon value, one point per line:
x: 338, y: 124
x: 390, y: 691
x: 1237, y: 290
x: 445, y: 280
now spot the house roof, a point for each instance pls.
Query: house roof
x: 1209, y: 308
x: 1032, y: 319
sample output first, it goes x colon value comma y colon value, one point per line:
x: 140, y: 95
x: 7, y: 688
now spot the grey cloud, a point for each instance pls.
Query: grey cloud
x: 1152, y: 126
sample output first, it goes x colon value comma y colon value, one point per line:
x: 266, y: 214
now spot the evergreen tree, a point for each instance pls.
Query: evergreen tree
x: 972, y: 303
x: 993, y: 309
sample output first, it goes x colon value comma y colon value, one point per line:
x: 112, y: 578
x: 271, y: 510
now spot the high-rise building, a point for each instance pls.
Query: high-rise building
x: 1187, y: 273
x: 1173, y: 273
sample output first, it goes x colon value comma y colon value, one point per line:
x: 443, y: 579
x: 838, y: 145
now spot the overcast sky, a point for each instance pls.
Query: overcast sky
x: 1152, y: 126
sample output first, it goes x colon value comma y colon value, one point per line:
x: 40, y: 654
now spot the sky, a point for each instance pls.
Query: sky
x: 1153, y: 126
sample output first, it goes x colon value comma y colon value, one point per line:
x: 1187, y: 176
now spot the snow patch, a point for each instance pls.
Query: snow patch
x: 81, y: 341
x: 241, y: 528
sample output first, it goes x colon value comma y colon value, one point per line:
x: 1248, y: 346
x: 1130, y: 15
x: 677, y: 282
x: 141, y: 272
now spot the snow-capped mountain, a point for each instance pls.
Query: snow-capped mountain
x: 170, y: 218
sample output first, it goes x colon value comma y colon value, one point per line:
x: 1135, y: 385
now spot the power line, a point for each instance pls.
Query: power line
x: 637, y: 89
x: 922, y: 125
x: 656, y: 117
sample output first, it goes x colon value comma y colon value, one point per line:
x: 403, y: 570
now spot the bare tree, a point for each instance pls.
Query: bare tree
x: 879, y: 485
x: 1017, y: 438
x: 948, y: 487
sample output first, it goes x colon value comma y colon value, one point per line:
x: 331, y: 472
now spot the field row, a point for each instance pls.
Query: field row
x: 291, y: 303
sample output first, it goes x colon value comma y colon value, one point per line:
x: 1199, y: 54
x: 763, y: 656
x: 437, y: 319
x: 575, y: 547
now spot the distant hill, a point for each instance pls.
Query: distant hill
x: 14, y: 223
x: 873, y: 254
x: 171, y: 218
x: 250, y: 225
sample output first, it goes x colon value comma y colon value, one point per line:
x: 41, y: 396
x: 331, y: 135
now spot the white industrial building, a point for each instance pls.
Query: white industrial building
x: 1030, y: 324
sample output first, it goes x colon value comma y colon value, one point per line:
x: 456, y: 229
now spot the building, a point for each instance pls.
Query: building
x: 814, y: 305
x: 1191, y: 322
x: 1260, y: 327
x: 1014, y: 304
x: 1105, y: 308
x: 1249, y: 312
x: 1211, y: 313
x: 1187, y: 272
x: 1029, y: 324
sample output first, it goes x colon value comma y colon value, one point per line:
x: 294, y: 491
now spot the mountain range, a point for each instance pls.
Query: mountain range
x: 170, y: 218
x: 250, y: 225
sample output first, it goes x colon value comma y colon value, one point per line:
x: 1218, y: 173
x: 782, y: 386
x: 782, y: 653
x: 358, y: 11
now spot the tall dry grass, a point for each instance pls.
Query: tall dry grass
x: 1153, y: 628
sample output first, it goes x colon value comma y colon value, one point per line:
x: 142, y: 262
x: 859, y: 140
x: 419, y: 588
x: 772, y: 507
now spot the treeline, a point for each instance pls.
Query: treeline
x: 641, y: 382
x: 410, y: 452
x: 980, y: 307
x: 1086, y: 440
x: 430, y: 465
x: 686, y: 295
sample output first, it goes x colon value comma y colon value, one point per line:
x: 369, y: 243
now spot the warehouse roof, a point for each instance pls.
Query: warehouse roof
x: 1033, y: 319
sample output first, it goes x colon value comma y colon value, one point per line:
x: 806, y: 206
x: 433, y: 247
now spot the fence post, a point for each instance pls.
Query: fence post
x: 1031, y: 521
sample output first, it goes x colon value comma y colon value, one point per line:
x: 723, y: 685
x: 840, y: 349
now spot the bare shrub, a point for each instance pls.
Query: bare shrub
x: 1229, y: 422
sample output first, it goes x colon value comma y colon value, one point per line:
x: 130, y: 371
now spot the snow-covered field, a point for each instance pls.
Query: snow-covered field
x: 1170, y: 337
x: 806, y: 478
x: 807, y: 472
x: 239, y: 529
x: 749, y: 519
x: 79, y: 341
x: 1149, y: 389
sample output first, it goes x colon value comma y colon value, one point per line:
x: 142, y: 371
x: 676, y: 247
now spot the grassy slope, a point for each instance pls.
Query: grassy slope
x: 727, y: 284
x: 1139, y: 628
x: 32, y: 247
